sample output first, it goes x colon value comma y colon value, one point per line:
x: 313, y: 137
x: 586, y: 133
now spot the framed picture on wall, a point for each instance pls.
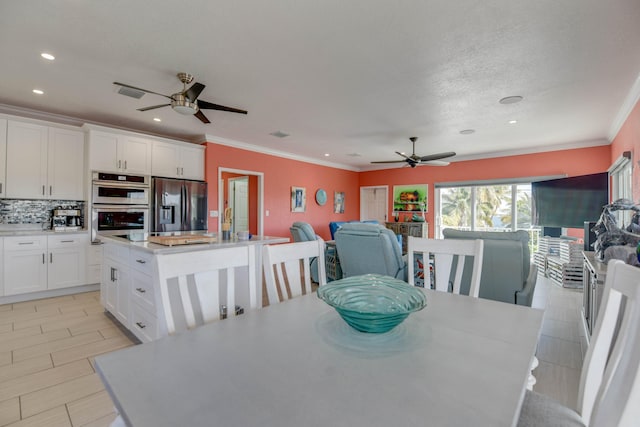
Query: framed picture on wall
x: 298, y: 199
x: 338, y: 202
x: 410, y: 198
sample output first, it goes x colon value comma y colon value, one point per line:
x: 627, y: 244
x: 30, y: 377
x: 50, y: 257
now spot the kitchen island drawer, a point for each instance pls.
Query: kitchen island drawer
x: 144, y: 325
x: 142, y: 261
x: 142, y: 291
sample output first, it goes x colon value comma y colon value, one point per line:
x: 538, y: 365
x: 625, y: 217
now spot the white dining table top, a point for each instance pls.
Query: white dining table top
x: 460, y: 361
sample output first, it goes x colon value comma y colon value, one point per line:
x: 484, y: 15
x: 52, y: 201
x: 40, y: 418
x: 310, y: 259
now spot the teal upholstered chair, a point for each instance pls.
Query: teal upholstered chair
x: 369, y: 248
x: 507, y: 272
x: 303, y: 232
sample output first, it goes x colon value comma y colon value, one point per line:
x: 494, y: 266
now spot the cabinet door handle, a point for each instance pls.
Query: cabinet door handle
x: 177, y: 171
x: 43, y: 190
x: 182, y: 171
x: 141, y: 261
x: 43, y: 259
x: 119, y: 164
x: 50, y: 257
x: 141, y: 325
x: 25, y: 243
x: 142, y: 291
x: 0, y: 188
x: 50, y: 190
x: 125, y: 165
x: 66, y: 241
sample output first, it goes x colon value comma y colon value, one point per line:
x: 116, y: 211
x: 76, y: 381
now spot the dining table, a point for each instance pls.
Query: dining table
x: 460, y: 361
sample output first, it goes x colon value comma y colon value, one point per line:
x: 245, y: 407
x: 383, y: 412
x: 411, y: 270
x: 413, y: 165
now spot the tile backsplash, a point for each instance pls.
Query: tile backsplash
x: 33, y: 211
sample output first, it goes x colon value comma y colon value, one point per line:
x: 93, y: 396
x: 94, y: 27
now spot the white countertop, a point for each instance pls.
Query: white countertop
x: 157, y: 248
x: 10, y: 230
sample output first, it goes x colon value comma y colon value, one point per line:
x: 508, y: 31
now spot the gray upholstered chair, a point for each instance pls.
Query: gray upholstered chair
x: 369, y: 248
x: 303, y: 232
x: 507, y: 272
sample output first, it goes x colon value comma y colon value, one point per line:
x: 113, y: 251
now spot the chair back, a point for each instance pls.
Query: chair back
x: 287, y: 268
x: 191, y: 283
x: 449, y: 258
x: 302, y: 232
x: 369, y: 248
x: 610, y: 380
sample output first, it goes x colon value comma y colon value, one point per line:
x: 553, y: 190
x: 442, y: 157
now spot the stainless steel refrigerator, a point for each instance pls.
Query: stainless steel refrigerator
x: 178, y: 205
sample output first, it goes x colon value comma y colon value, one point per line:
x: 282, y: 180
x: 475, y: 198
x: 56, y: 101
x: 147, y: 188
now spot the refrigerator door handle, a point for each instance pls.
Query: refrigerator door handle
x: 183, y: 220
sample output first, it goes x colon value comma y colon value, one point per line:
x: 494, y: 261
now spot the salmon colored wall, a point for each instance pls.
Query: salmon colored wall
x: 279, y: 175
x: 252, y: 182
x: 570, y: 162
x: 628, y: 139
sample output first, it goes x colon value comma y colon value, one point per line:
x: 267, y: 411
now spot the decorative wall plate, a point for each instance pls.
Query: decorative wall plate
x: 321, y: 197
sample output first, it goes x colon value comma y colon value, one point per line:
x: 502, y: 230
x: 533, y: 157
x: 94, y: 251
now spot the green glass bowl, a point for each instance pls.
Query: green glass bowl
x: 372, y: 303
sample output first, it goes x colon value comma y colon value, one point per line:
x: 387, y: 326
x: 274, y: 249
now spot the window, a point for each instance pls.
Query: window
x: 485, y: 207
x: 620, y: 174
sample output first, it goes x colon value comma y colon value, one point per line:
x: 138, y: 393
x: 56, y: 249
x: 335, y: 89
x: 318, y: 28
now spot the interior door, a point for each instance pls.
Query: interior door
x: 239, y: 194
x: 373, y: 203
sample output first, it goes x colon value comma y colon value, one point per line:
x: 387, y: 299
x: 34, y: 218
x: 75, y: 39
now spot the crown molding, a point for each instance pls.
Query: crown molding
x: 212, y: 139
x: 627, y: 106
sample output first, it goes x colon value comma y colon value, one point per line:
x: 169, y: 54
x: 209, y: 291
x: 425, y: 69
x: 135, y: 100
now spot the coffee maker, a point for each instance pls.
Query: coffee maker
x: 65, y: 219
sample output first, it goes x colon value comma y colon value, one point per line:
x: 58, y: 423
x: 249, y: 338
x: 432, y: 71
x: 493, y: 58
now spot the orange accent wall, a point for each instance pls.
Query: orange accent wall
x: 279, y: 175
x: 570, y: 162
x: 628, y: 139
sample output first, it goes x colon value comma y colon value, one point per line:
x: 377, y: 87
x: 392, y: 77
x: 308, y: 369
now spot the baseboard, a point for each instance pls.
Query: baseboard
x: 49, y: 293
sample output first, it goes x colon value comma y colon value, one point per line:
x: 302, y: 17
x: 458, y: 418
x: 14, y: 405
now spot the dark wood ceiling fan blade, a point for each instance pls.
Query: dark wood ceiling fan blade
x: 194, y: 91
x: 209, y: 106
x: 437, y: 156
x: 153, y: 107
x: 139, y: 88
x: 202, y: 117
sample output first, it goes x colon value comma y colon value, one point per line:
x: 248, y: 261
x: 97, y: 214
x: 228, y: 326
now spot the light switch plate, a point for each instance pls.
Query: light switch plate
x: 213, y: 214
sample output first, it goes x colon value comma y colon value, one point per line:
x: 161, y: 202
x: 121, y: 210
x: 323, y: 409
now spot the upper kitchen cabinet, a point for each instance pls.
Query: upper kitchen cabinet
x: 110, y: 152
x: 177, y: 160
x: 44, y: 162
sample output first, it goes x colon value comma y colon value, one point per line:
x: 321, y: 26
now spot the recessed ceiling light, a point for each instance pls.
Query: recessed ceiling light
x: 38, y: 92
x: 513, y: 122
x: 48, y: 56
x: 157, y: 119
x: 327, y: 154
x: 511, y: 99
x: 467, y: 131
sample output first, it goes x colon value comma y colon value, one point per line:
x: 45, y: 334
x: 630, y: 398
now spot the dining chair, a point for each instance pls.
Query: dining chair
x: 191, y: 283
x: 448, y: 254
x: 287, y: 268
x: 610, y: 379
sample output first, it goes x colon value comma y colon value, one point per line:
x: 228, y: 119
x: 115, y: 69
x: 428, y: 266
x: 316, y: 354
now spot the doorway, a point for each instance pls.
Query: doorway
x: 252, y: 192
x: 374, y: 202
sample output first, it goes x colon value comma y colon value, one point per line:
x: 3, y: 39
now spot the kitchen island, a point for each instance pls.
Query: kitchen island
x: 129, y: 290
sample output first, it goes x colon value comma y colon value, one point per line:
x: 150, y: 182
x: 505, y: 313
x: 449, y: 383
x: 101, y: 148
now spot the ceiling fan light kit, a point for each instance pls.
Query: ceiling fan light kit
x: 414, y: 160
x: 185, y: 102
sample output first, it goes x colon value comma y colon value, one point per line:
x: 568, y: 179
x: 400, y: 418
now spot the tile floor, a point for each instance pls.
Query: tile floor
x: 47, y: 378
x: 560, y: 348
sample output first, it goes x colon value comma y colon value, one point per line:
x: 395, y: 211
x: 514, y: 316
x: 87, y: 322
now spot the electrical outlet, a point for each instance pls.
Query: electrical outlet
x: 213, y: 214
x: 266, y: 213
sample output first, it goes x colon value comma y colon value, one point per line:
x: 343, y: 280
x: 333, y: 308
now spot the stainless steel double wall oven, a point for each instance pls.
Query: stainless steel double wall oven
x: 120, y: 203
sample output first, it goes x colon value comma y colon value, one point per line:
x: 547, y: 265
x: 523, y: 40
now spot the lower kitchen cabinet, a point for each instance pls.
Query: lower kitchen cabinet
x: 25, y: 261
x: 116, y: 282
x: 39, y: 263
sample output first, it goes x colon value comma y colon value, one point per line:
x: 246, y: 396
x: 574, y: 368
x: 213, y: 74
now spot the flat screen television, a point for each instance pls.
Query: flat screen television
x: 569, y: 202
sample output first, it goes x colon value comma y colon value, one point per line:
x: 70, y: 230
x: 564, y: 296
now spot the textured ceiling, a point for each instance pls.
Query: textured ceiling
x: 354, y: 79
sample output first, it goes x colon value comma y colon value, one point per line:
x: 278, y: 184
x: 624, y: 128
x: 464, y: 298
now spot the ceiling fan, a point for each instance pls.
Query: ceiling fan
x: 186, y: 102
x: 414, y: 160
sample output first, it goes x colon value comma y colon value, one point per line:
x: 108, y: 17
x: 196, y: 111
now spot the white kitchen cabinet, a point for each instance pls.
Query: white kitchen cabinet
x: 3, y: 158
x: 177, y: 160
x: 67, y: 261
x: 44, y: 162
x: 115, y: 285
x: 110, y: 152
x: 25, y: 264
x: 143, y: 301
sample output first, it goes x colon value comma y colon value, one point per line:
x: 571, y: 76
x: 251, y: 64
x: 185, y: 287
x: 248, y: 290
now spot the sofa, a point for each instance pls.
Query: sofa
x: 507, y: 272
x: 369, y: 248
